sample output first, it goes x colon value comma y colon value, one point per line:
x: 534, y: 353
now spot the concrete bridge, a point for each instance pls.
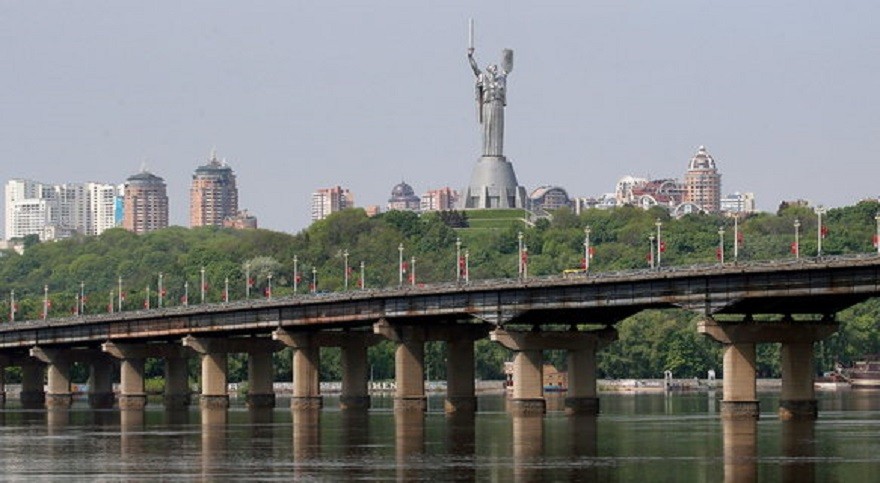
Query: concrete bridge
x: 576, y: 314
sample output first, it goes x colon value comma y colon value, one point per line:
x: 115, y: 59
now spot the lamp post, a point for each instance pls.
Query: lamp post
x: 457, y: 260
x: 820, y: 210
x: 363, y: 279
x: 186, y: 293
x: 147, y: 298
x: 295, y: 273
x: 247, y: 278
x: 467, y: 266
x: 110, y: 305
x: 877, y: 234
x: 519, y: 238
x: 269, y: 286
x: 651, y: 252
x: 797, y: 234
x: 203, y: 283
x: 226, y: 289
x: 525, y: 262
x: 82, y: 295
x: 400, y: 265
x: 45, y: 302
x: 345, y: 256
x: 161, y: 292
x: 119, y: 294
x: 314, y: 280
x: 658, y: 224
x: 721, y: 244
x: 412, y: 280
x: 12, y: 305
x: 587, y: 248
x: 735, y: 237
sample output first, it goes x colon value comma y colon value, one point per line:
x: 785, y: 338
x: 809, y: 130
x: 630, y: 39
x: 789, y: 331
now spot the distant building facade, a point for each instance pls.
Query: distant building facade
x: 241, y: 221
x: 213, y: 195
x: 739, y: 203
x: 702, y: 182
x: 403, y: 198
x: 145, y: 203
x: 55, y: 211
x: 548, y: 198
x: 326, y: 201
x: 443, y: 199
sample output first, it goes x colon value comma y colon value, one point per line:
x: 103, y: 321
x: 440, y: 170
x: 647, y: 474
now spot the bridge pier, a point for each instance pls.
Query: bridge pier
x: 214, y: 357
x: 306, y: 365
x: 460, y: 394
x: 528, y: 376
x: 798, y: 399
x: 355, y: 372
x: 409, y: 365
x: 33, y: 374
x: 101, y: 382
x: 261, y: 374
x: 57, y: 377
x: 177, y: 392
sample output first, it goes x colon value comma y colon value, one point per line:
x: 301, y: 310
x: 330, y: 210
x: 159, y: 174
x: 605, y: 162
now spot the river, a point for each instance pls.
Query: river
x: 637, y: 437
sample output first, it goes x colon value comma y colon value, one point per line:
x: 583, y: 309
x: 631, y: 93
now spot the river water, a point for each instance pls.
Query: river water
x: 647, y: 437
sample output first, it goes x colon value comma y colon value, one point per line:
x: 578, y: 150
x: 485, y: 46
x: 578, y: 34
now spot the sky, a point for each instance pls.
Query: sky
x: 300, y: 95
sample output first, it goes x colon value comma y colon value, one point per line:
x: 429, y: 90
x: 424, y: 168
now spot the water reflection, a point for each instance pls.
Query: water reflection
x: 740, y: 450
x: 131, y: 433
x: 799, y: 451
x: 356, y: 443
x: 409, y: 438
x: 461, y: 435
x: 214, y: 421
x: 306, y: 440
x: 528, y: 447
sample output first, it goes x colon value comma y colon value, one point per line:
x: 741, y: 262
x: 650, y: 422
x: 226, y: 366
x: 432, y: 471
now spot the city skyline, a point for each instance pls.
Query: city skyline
x: 299, y: 97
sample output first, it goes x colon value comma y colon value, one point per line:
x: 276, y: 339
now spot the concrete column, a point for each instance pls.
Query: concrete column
x: 306, y: 365
x: 214, y: 371
x: 528, y: 386
x: 740, y: 400
x: 798, y: 399
x: 101, y: 383
x: 582, y: 397
x: 460, y: 395
x: 355, y: 373
x: 57, y: 376
x: 33, y: 395
x: 177, y: 391
x: 409, y: 371
x: 132, y: 393
x: 739, y: 339
x: 261, y: 393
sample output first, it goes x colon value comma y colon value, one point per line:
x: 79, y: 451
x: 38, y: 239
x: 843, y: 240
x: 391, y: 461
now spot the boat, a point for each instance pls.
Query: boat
x: 864, y: 373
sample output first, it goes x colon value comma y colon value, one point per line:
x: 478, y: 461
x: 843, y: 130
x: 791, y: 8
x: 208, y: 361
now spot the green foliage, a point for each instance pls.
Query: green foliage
x: 649, y: 343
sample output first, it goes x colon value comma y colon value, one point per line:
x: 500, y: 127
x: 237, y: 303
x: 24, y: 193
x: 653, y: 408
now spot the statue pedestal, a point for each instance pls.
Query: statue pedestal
x: 493, y: 185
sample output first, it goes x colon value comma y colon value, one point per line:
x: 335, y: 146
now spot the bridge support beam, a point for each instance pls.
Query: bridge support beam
x: 460, y: 394
x: 740, y: 400
x: 177, y: 392
x: 355, y: 373
x: 101, y: 383
x: 57, y: 378
x: 33, y: 374
x: 261, y: 393
x: 409, y: 365
x: 132, y: 392
x: 528, y: 377
x: 214, y: 371
x: 306, y: 365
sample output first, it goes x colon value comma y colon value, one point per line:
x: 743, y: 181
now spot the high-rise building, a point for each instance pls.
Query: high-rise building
x: 58, y: 211
x: 739, y: 203
x: 403, y: 198
x: 702, y: 182
x: 443, y: 199
x: 145, y: 204
x: 213, y: 195
x: 241, y: 221
x: 330, y: 200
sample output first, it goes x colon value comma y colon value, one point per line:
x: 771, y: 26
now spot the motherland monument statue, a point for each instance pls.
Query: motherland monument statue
x: 493, y: 182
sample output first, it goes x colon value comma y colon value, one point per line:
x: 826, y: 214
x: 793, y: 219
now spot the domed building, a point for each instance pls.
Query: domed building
x: 702, y: 182
x: 403, y: 198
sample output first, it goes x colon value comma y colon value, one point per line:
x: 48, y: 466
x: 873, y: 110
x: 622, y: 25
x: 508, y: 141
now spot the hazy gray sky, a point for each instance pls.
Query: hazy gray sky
x: 302, y: 95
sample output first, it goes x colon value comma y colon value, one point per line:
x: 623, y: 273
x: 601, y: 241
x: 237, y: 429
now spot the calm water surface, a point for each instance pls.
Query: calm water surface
x: 648, y: 437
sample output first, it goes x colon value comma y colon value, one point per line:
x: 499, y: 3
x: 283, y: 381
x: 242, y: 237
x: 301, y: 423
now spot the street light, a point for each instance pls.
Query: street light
x: 314, y: 279
x: 519, y: 238
x: 651, y: 252
x: 400, y: 265
x: 721, y: 244
x: 12, y: 305
x: 186, y: 293
x: 819, y: 231
x: 226, y: 289
x: 363, y: 280
x: 203, y: 284
x: 82, y: 295
x: 587, y: 249
x: 269, y: 286
x: 121, y: 297
x: 247, y: 278
x: 295, y: 273
x: 524, y: 259
x: 457, y: 260
x: 45, y: 302
x: 467, y: 267
x: 735, y: 237
x: 658, y: 224
x: 797, y: 234
x: 161, y: 292
x: 345, y: 256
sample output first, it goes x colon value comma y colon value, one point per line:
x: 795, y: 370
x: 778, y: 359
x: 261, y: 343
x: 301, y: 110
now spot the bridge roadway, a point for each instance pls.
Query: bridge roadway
x: 458, y: 314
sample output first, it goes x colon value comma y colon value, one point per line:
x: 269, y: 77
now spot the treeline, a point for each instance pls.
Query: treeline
x: 246, y: 262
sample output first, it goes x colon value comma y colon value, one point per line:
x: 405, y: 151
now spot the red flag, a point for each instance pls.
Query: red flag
x: 411, y: 278
x: 122, y: 296
x: 268, y: 292
x: 163, y: 292
x: 183, y: 299
x: 360, y: 283
x: 592, y: 252
x: 794, y: 247
x: 146, y: 304
x: 250, y: 282
x: 650, y: 257
x: 584, y: 263
x: 824, y: 231
x: 876, y: 240
x: 109, y: 308
x: 298, y: 278
x: 205, y: 287
x: 740, y: 238
x: 718, y: 253
x: 404, y: 267
x: 662, y: 247
x: 525, y: 257
x: 225, y: 296
x: 311, y: 287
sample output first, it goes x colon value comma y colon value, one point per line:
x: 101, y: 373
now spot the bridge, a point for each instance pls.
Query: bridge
x: 793, y: 303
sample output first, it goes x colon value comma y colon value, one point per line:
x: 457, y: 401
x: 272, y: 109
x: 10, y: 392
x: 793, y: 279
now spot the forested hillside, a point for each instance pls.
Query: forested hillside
x: 649, y: 343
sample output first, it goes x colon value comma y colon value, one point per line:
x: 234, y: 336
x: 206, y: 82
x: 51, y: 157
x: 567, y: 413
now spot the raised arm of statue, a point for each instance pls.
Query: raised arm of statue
x: 473, y: 62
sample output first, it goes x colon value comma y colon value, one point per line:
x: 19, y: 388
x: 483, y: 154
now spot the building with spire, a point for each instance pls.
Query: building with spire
x: 145, y: 203
x: 702, y: 182
x: 213, y: 196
